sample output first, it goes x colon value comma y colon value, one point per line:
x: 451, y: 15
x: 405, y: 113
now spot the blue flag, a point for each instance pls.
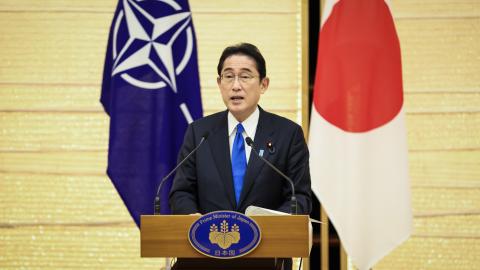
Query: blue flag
x: 151, y: 91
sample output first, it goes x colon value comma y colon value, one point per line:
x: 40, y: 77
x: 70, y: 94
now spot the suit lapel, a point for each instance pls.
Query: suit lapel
x: 255, y: 164
x: 220, y: 148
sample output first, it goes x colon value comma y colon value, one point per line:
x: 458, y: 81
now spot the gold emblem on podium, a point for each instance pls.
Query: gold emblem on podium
x: 226, y: 236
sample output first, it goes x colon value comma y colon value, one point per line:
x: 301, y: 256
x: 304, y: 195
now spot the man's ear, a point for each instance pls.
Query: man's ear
x: 264, y: 84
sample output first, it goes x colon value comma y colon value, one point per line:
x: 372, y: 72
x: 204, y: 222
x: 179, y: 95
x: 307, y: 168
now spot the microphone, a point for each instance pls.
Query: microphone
x: 293, y: 200
x: 156, y: 204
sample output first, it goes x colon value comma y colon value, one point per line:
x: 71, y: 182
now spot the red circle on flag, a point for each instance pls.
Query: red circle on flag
x: 358, y: 84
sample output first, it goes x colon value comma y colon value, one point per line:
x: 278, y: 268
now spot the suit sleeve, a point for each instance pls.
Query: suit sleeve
x: 183, y: 195
x: 298, y: 169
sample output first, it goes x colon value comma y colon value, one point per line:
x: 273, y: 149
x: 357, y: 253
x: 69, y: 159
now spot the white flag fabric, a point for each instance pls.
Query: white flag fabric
x: 357, y: 136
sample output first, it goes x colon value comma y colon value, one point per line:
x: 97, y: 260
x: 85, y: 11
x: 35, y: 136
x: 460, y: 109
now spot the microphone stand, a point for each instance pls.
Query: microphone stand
x: 293, y: 199
x: 157, y: 203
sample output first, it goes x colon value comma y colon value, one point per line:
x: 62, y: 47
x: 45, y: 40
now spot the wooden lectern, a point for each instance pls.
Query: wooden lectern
x: 281, y: 237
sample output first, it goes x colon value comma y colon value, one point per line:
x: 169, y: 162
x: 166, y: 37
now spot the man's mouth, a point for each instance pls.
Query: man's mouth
x: 236, y: 98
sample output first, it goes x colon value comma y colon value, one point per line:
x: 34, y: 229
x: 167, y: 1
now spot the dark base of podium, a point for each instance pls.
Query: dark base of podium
x: 236, y: 264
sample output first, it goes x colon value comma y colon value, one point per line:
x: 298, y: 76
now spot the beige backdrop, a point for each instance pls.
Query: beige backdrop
x: 59, y: 210
x: 440, y: 41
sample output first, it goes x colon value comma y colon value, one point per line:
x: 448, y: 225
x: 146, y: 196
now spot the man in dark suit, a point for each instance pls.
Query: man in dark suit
x: 224, y: 174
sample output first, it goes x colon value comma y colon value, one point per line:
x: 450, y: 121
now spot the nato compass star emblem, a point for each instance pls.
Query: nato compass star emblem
x: 149, y: 44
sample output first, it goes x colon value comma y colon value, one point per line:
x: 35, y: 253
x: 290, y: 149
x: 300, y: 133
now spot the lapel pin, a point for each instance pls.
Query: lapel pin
x: 260, y: 153
x: 270, y: 147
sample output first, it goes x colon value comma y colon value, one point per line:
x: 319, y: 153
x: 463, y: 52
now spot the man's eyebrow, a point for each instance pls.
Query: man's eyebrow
x: 242, y: 69
x: 247, y: 69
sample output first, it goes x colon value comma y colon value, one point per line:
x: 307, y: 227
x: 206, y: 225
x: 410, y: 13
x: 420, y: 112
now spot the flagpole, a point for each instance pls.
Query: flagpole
x: 324, y: 235
x: 305, y: 83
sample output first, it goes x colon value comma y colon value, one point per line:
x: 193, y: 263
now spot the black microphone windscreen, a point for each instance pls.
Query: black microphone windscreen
x: 249, y: 141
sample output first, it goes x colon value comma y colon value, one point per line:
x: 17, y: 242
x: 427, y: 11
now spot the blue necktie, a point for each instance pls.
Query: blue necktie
x: 239, y: 162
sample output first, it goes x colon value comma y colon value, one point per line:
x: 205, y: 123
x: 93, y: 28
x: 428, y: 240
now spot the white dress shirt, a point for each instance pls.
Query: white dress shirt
x: 249, y: 127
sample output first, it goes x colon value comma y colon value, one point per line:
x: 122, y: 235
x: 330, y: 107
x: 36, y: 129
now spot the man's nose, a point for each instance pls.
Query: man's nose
x: 236, y: 84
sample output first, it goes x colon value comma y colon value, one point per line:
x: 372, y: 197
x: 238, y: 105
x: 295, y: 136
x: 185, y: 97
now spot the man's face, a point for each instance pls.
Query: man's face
x: 240, y: 85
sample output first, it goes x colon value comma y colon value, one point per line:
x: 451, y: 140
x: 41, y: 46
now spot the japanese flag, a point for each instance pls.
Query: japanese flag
x: 357, y: 134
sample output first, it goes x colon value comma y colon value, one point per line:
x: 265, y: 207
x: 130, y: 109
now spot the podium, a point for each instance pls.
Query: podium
x: 281, y: 237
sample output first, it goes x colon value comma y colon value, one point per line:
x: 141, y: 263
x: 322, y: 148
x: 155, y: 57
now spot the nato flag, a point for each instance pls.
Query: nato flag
x: 151, y: 91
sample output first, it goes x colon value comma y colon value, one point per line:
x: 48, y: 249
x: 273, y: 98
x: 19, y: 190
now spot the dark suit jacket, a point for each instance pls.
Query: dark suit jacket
x: 204, y: 182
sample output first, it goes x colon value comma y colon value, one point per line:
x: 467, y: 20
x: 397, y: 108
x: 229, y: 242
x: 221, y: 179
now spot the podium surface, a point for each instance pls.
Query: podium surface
x: 281, y: 236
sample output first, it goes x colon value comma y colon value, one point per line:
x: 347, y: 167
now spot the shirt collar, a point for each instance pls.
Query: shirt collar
x: 250, y: 124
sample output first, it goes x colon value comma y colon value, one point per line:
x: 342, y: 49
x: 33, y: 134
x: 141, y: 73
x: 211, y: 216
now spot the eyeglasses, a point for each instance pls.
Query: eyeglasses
x: 229, y: 78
